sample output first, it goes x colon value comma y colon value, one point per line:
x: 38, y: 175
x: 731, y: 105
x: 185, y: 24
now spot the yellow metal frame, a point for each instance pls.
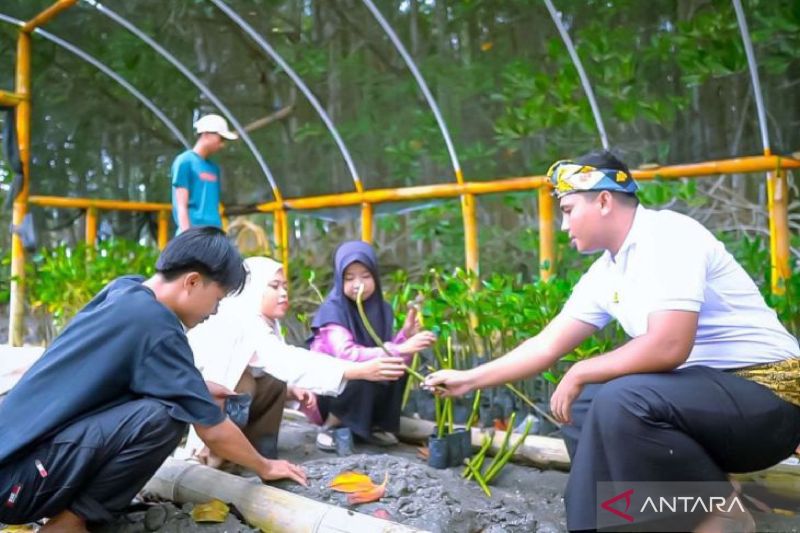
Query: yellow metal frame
x: 774, y: 166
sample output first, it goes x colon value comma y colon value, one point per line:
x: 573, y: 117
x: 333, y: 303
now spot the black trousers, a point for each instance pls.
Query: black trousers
x: 94, y: 467
x: 693, y: 424
x: 364, y: 405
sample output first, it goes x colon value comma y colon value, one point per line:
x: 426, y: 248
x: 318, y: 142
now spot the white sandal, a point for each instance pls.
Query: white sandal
x: 325, y: 440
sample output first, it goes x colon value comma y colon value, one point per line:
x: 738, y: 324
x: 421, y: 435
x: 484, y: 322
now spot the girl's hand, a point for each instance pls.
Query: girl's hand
x: 418, y: 342
x: 380, y: 369
x: 304, y: 396
x: 411, y: 324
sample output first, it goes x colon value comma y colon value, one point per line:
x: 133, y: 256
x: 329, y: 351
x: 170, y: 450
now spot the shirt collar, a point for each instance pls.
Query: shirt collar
x: 634, y: 234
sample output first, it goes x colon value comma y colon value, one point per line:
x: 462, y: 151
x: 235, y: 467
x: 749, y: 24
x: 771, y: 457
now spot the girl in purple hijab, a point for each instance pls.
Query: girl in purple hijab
x: 370, y: 410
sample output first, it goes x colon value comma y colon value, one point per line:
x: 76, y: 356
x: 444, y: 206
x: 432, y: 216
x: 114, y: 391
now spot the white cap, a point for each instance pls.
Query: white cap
x: 214, y: 124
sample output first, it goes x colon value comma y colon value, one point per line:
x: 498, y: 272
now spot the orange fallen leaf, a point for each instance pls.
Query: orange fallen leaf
x: 499, y: 424
x: 423, y: 453
x: 351, y: 482
x: 372, y: 495
x: 383, y: 514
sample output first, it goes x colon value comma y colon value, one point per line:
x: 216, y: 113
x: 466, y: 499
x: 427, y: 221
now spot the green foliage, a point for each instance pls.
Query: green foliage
x: 60, y: 281
x: 752, y: 252
x: 505, y: 310
x: 5, y: 272
x: 659, y: 192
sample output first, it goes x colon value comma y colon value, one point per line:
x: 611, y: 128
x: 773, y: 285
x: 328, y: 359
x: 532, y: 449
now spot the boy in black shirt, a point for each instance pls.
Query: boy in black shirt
x: 108, y: 401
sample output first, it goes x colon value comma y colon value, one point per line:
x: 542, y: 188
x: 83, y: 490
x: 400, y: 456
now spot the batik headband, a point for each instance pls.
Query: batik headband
x: 569, y: 177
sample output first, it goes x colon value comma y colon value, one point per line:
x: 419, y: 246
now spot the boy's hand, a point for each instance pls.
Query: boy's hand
x: 279, y: 469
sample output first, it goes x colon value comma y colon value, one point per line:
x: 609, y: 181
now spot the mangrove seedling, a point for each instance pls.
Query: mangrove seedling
x: 491, y: 473
x: 377, y: 340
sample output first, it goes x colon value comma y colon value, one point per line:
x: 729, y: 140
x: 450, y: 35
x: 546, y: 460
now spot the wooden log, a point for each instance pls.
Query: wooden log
x: 264, y: 507
x: 782, y: 479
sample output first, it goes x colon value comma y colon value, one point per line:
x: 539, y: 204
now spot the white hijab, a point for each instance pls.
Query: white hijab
x: 226, y: 344
x: 239, y: 337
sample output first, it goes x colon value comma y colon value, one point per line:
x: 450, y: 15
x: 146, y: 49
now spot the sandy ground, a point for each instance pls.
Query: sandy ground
x: 524, y: 499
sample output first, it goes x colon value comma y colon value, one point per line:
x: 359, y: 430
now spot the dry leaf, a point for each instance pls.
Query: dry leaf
x: 351, y: 482
x: 423, y: 453
x: 499, y: 424
x: 367, y: 496
x: 383, y: 514
x: 215, y: 511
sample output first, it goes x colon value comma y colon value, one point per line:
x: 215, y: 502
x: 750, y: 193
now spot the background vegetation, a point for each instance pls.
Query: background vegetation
x: 670, y: 76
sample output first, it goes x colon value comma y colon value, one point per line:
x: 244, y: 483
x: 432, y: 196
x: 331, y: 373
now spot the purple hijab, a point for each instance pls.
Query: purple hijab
x: 339, y: 309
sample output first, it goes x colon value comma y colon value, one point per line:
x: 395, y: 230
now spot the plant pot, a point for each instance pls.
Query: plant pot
x: 455, y: 449
x: 343, y: 438
x: 465, y: 440
x: 437, y: 452
x: 461, y: 412
x: 425, y: 406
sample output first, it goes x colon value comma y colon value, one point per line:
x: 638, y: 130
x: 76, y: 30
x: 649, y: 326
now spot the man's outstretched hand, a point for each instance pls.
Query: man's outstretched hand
x: 448, y: 382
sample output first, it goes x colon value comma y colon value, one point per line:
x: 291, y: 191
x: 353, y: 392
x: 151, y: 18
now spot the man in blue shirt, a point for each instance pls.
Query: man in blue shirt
x: 196, y: 179
x: 92, y: 420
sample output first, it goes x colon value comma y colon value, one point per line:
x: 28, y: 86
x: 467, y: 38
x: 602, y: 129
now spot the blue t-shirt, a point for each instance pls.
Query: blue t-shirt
x: 201, y: 177
x: 124, y: 345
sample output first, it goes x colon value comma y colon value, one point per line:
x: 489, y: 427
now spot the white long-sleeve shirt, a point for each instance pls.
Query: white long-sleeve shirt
x: 223, y: 352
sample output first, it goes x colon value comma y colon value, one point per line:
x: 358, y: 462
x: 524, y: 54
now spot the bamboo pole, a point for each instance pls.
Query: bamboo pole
x: 777, y: 203
x: 546, y: 234
x: 447, y: 190
x: 760, y: 163
x: 367, y: 218
x: 91, y: 226
x: 264, y: 507
x: 23, y: 110
x: 281, y: 233
x: 277, y: 234
x: 405, y: 194
x: 782, y: 479
x: 107, y: 205
x: 471, y: 248
x: 163, y: 229
x: 47, y: 15
x: 11, y: 99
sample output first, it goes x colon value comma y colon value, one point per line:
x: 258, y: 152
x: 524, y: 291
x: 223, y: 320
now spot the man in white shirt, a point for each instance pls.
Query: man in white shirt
x: 708, y: 382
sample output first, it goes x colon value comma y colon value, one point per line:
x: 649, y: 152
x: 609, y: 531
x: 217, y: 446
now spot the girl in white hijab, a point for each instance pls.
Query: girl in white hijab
x: 241, y: 349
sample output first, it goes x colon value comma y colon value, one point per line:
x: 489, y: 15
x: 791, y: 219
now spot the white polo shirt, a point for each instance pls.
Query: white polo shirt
x: 671, y: 262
